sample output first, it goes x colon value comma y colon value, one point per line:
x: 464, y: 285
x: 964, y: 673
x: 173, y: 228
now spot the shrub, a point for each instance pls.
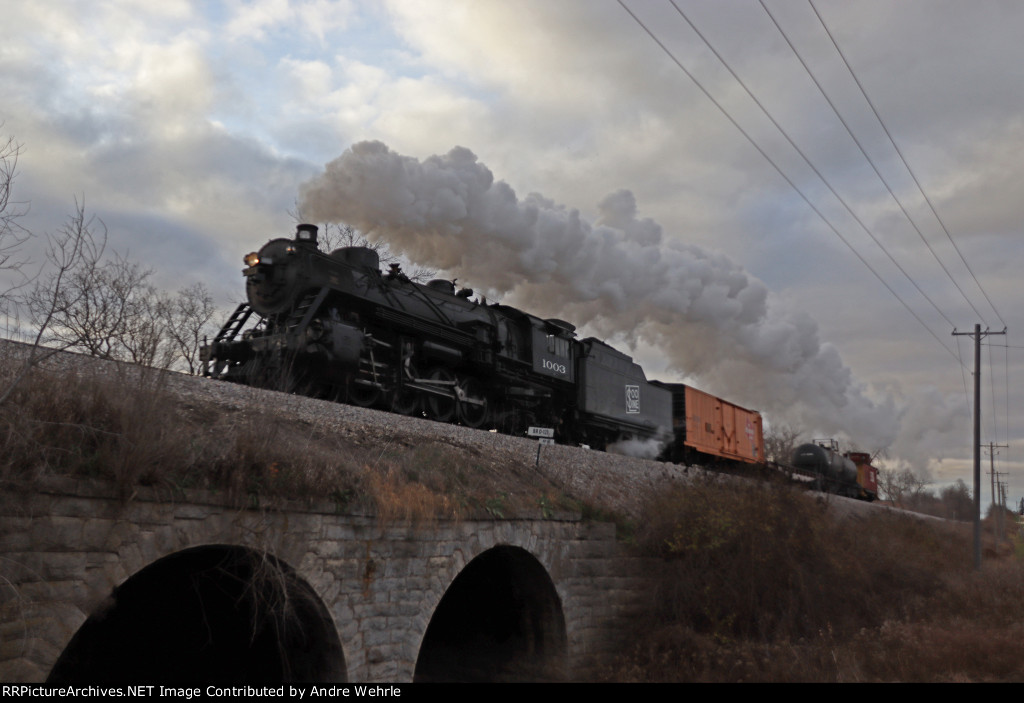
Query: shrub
x: 762, y: 582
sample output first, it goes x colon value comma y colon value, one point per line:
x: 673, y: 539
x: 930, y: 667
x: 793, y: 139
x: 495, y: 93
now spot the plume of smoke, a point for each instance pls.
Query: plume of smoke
x: 923, y: 426
x: 620, y: 276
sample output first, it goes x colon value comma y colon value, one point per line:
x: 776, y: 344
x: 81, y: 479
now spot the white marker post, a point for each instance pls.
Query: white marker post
x: 544, y: 435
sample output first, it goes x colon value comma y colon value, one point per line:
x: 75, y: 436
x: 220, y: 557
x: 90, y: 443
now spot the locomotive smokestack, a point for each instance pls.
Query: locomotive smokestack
x: 618, y: 275
x: 306, y: 233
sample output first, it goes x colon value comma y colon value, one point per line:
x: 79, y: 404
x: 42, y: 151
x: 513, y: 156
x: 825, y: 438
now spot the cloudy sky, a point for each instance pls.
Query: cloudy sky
x: 719, y: 217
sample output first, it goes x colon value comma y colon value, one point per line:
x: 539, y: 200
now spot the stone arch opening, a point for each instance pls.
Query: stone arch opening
x: 212, y: 614
x: 500, y: 620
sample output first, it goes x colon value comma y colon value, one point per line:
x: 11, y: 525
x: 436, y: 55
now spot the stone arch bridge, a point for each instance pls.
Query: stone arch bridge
x: 167, y: 587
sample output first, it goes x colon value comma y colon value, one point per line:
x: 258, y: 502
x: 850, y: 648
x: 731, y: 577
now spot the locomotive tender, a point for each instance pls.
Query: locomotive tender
x: 335, y: 326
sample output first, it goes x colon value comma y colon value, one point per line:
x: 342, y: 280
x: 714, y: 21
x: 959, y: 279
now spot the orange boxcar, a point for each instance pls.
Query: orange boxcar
x: 722, y: 429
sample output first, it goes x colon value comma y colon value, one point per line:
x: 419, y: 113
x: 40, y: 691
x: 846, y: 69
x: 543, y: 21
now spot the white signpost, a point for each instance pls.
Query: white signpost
x: 544, y: 435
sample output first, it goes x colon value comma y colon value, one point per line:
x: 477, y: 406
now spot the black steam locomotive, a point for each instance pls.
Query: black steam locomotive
x: 335, y: 326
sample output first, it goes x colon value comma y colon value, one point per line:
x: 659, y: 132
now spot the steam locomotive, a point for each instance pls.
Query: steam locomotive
x: 335, y: 326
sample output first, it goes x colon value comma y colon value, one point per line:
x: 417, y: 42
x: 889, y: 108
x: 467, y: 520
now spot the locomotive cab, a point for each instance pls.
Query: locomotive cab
x: 553, y: 349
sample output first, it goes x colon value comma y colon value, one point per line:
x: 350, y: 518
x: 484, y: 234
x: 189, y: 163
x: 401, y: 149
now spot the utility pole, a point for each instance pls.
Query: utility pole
x: 998, y: 510
x: 1004, y: 488
x: 977, y: 335
x: 994, y: 477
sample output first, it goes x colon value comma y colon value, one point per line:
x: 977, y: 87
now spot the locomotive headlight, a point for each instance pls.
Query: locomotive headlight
x: 251, y: 259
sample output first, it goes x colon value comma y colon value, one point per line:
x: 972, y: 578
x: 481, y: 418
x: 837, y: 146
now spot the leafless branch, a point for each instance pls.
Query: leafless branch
x: 186, y: 318
x: 12, y: 235
x: 72, y: 252
x: 780, y: 442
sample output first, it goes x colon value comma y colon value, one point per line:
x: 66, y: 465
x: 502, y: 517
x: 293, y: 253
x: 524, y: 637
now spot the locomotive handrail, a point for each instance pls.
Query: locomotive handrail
x: 433, y: 306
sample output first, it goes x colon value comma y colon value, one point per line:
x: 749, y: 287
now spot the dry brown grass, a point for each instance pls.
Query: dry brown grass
x: 122, y: 425
x: 762, y: 584
x: 72, y: 424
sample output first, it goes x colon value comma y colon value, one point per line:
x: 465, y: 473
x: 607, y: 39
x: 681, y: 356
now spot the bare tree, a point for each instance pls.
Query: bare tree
x: 100, y: 307
x: 11, y: 234
x: 70, y: 252
x: 890, y: 485
x: 73, y: 252
x: 334, y: 236
x: 957, y: 501
x: 80, y: 300
x: 186, y: 318
x: 901, y: 487
x: 780, y: 443
x: 106, y: 307
x: 143, y: 337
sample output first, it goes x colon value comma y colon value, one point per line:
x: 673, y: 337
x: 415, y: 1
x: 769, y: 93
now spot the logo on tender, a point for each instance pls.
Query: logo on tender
x: 632, y: 399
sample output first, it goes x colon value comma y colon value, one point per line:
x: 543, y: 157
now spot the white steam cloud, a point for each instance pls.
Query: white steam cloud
x: 620, y: 276
x: 641, y: 448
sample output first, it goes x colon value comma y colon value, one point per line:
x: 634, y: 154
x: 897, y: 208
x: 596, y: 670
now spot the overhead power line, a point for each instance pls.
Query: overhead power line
x: 778, y: 169
x: 924, y: 195
x: 903, y: 159
x: 804, y: 156
x: 867, y: 157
